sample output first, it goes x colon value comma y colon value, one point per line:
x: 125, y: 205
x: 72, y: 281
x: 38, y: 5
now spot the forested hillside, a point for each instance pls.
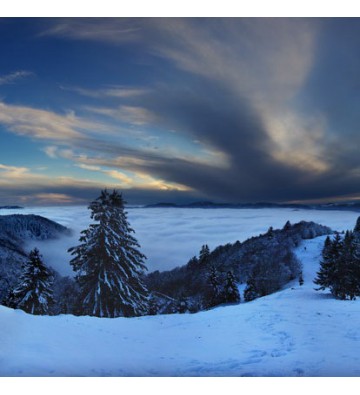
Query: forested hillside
x: 265, y: 263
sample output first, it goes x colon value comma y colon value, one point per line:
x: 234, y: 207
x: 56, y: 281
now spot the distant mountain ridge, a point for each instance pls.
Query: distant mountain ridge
x: 353, y: 206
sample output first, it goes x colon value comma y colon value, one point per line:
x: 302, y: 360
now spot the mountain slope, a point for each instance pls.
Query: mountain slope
x: 294, y: 332
x: 269, y: 254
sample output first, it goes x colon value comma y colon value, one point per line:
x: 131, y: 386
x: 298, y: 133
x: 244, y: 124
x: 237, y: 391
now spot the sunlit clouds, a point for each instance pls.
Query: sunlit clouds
x: 41, y: 124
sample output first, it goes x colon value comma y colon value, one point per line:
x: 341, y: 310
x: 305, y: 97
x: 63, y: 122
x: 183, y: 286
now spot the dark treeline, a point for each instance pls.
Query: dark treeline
x: 340, y: 265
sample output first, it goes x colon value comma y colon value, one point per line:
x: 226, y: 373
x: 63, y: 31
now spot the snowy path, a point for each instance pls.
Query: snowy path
x: 295, y: 332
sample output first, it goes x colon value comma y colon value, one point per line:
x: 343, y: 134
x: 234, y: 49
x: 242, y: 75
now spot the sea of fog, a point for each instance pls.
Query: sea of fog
x: 169, y: 237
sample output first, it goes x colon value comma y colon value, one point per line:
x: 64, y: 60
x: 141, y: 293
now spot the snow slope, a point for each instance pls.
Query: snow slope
x: 294, y: 332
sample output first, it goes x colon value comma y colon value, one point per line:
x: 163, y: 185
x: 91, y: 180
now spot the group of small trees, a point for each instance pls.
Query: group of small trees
x: 218, y: 287
x: 271, y: 272
x: 221, y: 290
x: 108, y: 264
x: 340, y: 265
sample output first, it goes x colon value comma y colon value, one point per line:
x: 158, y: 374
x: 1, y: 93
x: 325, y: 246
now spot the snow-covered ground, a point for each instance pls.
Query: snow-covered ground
x: 294, y: 332
x: 170, y: 237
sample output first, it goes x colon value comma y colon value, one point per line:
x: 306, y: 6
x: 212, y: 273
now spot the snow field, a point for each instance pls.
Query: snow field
x: 294, y: 332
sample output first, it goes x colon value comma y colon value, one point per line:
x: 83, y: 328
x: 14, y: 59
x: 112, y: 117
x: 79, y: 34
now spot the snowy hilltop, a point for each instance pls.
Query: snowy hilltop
x: 296, y: 331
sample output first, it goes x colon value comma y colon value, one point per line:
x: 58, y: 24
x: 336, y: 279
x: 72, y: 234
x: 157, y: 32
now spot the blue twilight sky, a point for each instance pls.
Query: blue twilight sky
x: 171, y: 109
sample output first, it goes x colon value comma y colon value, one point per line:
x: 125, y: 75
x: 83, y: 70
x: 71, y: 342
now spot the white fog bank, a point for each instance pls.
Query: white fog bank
x: 169, y: 237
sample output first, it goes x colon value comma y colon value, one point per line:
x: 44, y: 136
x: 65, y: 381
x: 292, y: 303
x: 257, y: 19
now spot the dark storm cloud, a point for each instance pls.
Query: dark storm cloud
x: 333, y: 86
x: 218, y: 118
x: 214, y: 115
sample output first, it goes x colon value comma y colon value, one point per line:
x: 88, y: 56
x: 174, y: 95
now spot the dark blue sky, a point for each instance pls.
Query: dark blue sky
x: 168, y: 109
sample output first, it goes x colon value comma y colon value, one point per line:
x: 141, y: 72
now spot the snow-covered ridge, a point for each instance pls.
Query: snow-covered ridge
x: 294, y: 332
x: 20, y: 227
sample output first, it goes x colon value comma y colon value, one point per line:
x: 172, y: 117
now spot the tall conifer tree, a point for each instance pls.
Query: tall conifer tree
x: 109, y: 264
x: 214, y: 294
x: 325, y: 275
x: 34, y: 294
x: 231, y: 290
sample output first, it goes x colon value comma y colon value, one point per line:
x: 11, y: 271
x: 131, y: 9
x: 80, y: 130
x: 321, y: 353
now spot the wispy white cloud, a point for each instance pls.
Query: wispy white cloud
x: 88, y: 167
x: 14, y: 76
x: 136, y: 177
x: 129, y: 114
x: 120, y: 92
x: 113, y: 30
x: 51, y: 198
x: 26, y: 186
x: 50, y: 151
x: 48, y: 125
x: 14, y: 176
x: 120, y: 176
x: 252, y: 55
x: 40, y: 124
x: 12, y: 172
x: 299, y: 140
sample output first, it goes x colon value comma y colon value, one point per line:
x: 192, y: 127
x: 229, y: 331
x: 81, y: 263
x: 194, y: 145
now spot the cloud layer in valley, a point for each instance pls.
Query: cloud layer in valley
x: 170, y: 237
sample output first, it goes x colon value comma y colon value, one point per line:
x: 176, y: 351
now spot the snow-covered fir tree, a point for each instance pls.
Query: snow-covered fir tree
x: 340, y: 267
x: 231, y: 291
x: 350, y: 284
x: 250, y: 292
x: 214, y: 295
x: 204, y: 254
x: 34, y: 294
x: 109, y: 264
x: 330, y: 253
